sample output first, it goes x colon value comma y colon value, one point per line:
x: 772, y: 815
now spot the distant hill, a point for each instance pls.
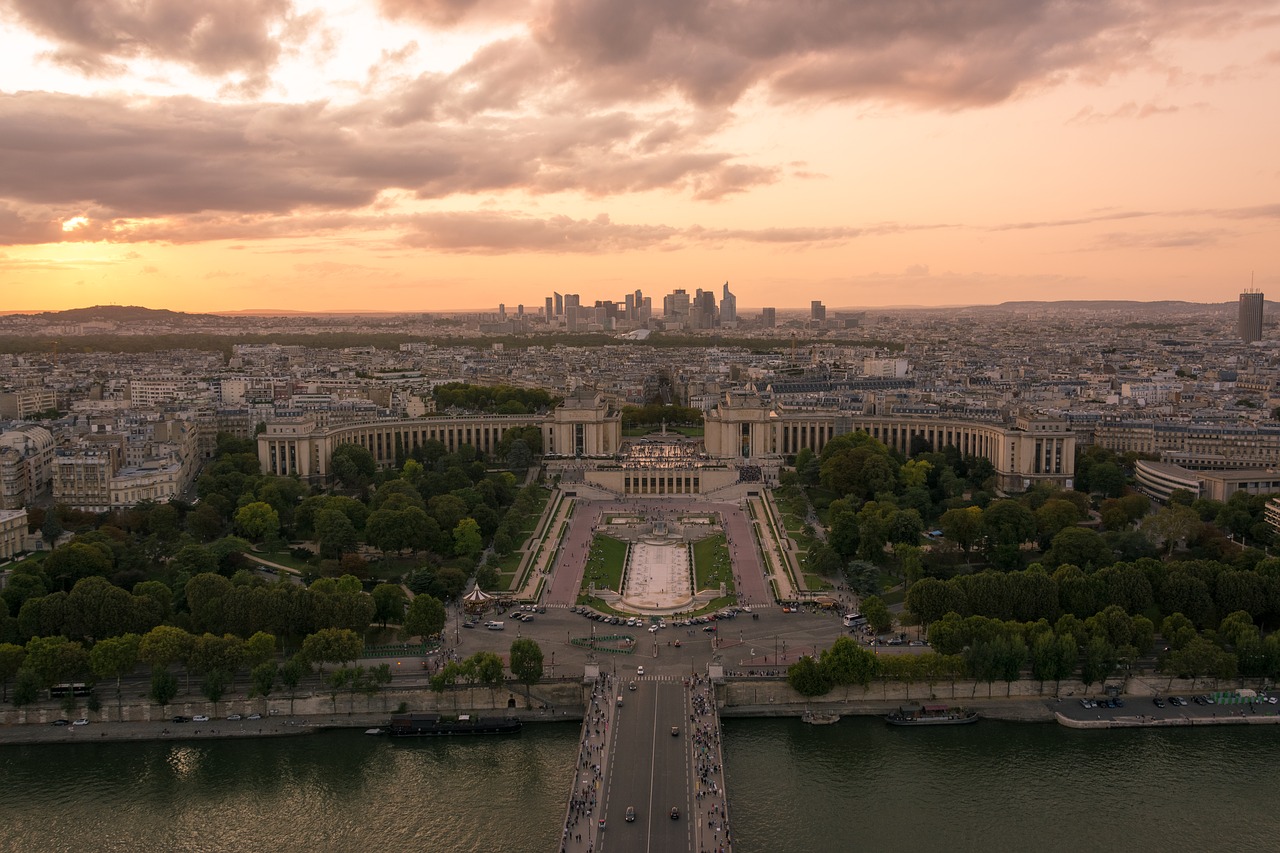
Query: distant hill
x: 115, y: 313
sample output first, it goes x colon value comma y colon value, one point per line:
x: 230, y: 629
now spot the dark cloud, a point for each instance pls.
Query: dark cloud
x: 941, y: 53
x: 213, y: 37
x: 225, y: 167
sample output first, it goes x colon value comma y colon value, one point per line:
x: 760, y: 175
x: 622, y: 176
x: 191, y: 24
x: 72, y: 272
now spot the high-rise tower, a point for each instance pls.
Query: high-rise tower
x: 1250, y: 322
x: 728, y: 306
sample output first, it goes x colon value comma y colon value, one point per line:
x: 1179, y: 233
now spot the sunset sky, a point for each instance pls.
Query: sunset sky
x: 418, y: 155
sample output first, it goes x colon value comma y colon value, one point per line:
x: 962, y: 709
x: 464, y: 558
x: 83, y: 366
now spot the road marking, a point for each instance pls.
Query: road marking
x: 653, y: 763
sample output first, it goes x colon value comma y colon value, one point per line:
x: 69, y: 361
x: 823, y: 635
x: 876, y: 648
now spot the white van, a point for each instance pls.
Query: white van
x: 493, y: 626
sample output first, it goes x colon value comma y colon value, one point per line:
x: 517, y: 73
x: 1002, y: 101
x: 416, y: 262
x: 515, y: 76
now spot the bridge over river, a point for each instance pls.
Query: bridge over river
x: 629, y: 759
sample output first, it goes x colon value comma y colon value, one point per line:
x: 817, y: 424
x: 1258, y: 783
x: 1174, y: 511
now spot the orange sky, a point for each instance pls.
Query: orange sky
x: 206, y: 155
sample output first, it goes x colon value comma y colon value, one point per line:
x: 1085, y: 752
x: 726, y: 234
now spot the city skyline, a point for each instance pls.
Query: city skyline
x: 436, y: 155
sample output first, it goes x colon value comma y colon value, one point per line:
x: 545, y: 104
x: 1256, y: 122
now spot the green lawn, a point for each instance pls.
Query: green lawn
x: 711, y: 564
x: 285, y: 558
x: 605, y: 562
x: 817, y: 582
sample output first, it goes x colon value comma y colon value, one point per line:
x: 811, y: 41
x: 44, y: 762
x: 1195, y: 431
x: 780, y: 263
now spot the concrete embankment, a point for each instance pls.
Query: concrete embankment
x: 135, y: 719
x: 1140, y: 721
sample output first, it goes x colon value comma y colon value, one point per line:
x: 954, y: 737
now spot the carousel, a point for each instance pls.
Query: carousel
x: 477, y: 600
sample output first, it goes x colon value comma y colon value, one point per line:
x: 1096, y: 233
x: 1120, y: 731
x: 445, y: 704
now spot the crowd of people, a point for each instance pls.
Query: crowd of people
x: 585, y: 799
x: 706, y: 747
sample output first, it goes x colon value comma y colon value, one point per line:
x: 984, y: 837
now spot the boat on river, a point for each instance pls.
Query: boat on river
x: 930, y: 715
x: 428, y: 725
x: 820, y: 718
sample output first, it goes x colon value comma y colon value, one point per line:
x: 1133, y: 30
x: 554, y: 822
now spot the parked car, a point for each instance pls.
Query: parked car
x: 200, y: 718
x: 181, y: 719
x: 61, y: 722
x: 234, y: 717
x: 81, y: 722
x: 255, y: 716
x: 1158, y: 702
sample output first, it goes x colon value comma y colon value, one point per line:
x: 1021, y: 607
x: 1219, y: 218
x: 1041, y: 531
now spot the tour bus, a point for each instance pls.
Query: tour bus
x: 58, y: 691
x: 493, y: 626
x: 854, y: 620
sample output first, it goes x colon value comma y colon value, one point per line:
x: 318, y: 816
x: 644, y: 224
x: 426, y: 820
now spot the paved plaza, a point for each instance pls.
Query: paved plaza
x: 658, y: 575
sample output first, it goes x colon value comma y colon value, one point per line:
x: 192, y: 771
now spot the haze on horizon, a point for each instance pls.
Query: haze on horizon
x: 402, y: 155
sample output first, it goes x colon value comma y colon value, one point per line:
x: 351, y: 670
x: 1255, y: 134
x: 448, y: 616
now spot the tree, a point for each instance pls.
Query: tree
x: 332, y: 645
x: 262, y: 678
x: 425, y: 617
x: 466, y: 538
x: 334, y: 533
x: 962, y: 526
x: 353, y: 466
x: 11, y: 658
x: 388, y: 603
x: 54, y: 660
x: 96, y: 609
x: 258, y: 649
x: 115, y: 657
x: 164, y: 645
x: 1054, y: 516
x: 1008, y: 523
x: 519, y: 457
x: 1078, y: 546
x: 526, y: 663
x: 846, y: 663
x: 257, y: 521
x: 1100, y: 660
x: 1012, y: 652
x: 1171, y: 525
x: 488, y: 669
x: 164, y: 686
x: 291, y: 674
x: 75, y: 561
x: 1053, y: 658
x: 808, y: 678
x: 877, y: 613
x: 214, y: 686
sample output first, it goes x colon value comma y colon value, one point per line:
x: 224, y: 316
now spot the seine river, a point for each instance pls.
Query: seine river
x: 858, y: 785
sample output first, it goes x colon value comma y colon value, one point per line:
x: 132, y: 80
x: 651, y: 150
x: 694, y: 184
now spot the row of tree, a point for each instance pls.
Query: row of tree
x: 1202, y: 590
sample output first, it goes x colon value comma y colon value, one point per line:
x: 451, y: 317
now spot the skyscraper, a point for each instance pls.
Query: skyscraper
x: 1250, y: 322
x: 728, y: 306
x: 769, y: 317
x: 817, y: 312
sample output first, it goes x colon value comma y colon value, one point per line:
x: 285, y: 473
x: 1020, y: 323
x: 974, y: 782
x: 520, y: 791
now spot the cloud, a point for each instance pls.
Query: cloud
x: 448, y: 13
x: 116, y: 161
x: 212, y: 37
x: 500, y: 232
x: 1186, y: 239
x: 1127, y: 110
x: 945, y: 53
x: 496, y: 232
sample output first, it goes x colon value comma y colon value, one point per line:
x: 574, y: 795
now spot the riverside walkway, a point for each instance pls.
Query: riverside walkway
x: 629, y: 759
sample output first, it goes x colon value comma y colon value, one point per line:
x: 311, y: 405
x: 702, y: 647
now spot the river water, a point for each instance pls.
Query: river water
x: 857, y: 785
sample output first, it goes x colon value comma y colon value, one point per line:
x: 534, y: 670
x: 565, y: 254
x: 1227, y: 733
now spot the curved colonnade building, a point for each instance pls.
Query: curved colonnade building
x: 584, y: 425
x: 743, y: 430
x: 1025, y: 451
